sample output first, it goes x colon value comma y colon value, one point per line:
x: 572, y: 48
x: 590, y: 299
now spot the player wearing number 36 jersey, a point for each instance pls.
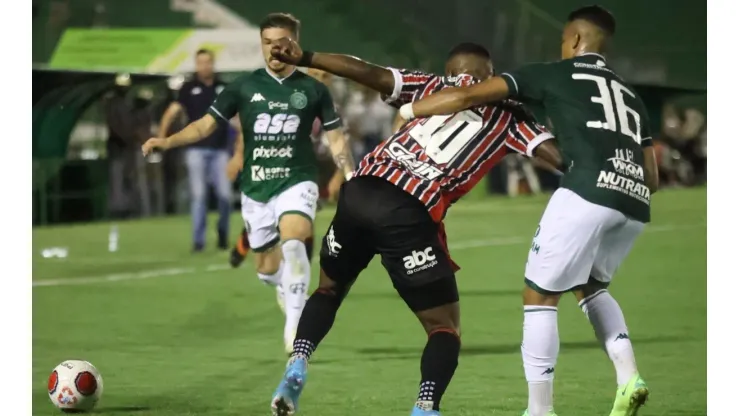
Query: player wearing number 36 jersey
x: 592, y: 221
x: 395, y: 202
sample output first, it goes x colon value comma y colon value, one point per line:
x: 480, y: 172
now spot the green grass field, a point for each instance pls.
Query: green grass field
x: 178, y: 334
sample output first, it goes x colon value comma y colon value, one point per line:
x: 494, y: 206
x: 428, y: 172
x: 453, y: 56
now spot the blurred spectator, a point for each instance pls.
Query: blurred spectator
x: 206, y: 160
x: 128, y: 123
x: 682, y: 145
x: 369, y: 120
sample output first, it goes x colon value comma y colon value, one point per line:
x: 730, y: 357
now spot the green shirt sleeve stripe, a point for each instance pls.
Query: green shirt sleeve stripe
x: 511, y: 83
x: 216, y: 112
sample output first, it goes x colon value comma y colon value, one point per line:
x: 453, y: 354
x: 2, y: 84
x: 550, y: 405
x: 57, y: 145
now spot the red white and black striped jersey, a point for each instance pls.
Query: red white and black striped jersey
x: 440, y: 158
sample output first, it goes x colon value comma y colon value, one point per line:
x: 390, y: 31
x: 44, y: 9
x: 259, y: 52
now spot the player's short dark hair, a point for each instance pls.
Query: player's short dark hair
x: 469, y: 48
x: 595, y: 15
x: 283, y: 21
x: 204, y: 51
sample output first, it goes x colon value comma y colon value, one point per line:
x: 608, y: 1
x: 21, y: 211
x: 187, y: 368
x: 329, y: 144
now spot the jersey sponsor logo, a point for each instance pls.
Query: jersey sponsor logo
x: 277, y: 127
x: 616, y: 182
x: 262, y: 173
x: 419, y: 260
x: 298, y: 100
x: 331, y: 243
x: 624, y: 164
x: 277, y: 104
x: 422, y: 169
x: 263, y: 152
x: 257, y: 97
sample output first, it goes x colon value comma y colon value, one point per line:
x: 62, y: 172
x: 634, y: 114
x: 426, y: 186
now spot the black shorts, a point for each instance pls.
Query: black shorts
x: 375, y: 217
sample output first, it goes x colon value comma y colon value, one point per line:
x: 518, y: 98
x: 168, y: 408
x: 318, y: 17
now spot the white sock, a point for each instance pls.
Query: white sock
x: 540, y: 347
x: 606, y: 317
x: 272, y: 279
x: 295, y: 281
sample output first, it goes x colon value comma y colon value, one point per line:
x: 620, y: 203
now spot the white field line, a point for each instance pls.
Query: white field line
x: 148, y: 274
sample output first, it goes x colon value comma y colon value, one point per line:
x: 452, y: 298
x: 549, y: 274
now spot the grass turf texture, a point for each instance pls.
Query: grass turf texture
x: 178, y: 334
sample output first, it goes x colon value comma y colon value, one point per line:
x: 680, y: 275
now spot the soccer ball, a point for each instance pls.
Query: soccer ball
x: 75, y: 386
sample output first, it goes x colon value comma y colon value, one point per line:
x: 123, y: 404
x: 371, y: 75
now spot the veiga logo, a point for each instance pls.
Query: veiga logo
x: 270, y: 152
x: 276, y: 124
x: 419, y: 260
x: 261, y: 173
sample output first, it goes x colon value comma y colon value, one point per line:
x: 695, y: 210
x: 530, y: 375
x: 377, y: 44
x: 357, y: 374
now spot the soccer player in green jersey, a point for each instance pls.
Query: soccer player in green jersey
x: 592, y: 221
x: 276, y: 107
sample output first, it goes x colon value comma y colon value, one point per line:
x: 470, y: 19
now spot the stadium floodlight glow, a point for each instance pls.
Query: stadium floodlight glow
x: 175, y: 82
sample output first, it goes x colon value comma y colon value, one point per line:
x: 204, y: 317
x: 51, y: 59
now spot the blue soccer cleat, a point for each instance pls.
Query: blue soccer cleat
x: 418, y: 411
x: 285, y: 399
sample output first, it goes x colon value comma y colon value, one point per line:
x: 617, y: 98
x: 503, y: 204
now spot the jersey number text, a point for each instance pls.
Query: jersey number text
x: 623, y: 111
x: 442, y: 137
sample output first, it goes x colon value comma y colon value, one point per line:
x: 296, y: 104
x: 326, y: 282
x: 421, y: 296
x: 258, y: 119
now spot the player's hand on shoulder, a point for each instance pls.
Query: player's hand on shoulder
x: 152, y: 144
x: 287, y: 50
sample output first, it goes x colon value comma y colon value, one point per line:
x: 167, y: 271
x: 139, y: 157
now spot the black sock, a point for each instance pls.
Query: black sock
x: 438, y: 364
x: 309, y: 247
x: 317, y: 319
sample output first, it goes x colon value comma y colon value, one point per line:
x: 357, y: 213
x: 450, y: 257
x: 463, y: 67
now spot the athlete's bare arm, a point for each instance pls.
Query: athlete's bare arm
x: 453, y: 100
x: 651, y: 166
x: 373, y: 76
x: 237, y: 160
x: 168, y: 117
x: 547, y: 156
x: 193, y: 132
x: 341, y: 151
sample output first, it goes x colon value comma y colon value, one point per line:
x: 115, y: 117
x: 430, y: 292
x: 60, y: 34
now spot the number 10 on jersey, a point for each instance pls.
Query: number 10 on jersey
x: 443, y: 137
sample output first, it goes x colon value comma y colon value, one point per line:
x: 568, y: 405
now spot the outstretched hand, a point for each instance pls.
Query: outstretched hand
x: 152, y: 144
x: 287, y: 50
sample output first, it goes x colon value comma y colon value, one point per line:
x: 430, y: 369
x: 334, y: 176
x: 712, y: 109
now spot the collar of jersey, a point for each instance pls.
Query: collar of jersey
x: 279, y: 80
x: 592, y: 54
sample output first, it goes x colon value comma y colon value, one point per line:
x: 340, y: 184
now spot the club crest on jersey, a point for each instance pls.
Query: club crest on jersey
x: 298, y: 100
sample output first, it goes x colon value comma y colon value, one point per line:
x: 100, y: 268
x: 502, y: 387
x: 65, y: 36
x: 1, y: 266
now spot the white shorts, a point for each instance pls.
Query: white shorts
x: 576, y: 240
x: 262, y: 218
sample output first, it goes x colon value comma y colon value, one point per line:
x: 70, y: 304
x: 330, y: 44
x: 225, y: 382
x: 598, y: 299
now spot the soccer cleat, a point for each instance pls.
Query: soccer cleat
x: 419, y: 412
x: 631, y: 397
x: 285, y: 399
x: 551, y: 413
x: 240, y: 250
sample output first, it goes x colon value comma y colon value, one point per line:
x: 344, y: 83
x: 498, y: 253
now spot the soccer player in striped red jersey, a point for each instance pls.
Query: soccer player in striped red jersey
x: 395, y: 202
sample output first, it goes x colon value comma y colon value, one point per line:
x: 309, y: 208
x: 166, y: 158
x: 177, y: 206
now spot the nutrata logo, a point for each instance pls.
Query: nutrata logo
x: 419, y: 260
x: 270, y: 152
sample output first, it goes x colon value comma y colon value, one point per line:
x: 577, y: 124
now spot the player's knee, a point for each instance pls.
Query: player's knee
x: 451, y: 329
x: 267, y: 263
x: 295, y: 227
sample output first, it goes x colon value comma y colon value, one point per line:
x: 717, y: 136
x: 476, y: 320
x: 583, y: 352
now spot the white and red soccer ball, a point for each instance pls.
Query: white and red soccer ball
x: 75, y: 386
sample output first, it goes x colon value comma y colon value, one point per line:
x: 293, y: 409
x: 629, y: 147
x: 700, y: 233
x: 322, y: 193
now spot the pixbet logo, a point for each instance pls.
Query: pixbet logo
x: 270, y: 152
x: 419, y: 260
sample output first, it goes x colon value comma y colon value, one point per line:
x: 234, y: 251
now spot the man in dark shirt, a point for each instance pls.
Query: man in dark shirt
x: 207, y: 159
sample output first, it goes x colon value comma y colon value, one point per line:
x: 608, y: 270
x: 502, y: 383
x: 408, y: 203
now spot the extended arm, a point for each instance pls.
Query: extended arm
x: 193, y: 132
x: 453, y: 100
x: 168, y: 117
x: 373, y: 76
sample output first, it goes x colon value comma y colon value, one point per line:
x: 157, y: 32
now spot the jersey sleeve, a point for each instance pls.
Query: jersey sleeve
x: 525, y: 133
x: 226, y: 105
x: 330, y: 120
x: 528, y: 82
x: 406, y: 84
